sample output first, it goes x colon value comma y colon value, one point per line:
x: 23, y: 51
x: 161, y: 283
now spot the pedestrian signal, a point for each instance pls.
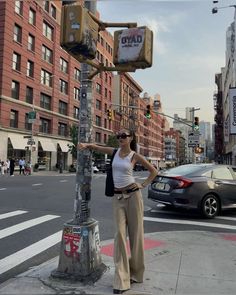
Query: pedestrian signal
x: 79, y: 32
x: 133, y: 46
x: 148, y: 112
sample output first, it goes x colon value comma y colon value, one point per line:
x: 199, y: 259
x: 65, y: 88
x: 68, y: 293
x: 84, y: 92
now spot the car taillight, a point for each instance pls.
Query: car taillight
x: 182, y: 182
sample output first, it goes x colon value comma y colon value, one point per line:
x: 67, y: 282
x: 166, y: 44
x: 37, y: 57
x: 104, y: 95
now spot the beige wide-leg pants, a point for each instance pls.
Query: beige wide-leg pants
x: 128, y: 217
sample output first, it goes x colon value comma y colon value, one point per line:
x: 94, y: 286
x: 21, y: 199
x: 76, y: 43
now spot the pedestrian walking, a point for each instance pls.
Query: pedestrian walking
x: 8, y: 165
x: 127, y: 209
x: 22, y: 166
x: 2, y: 168
x: 12, y: 166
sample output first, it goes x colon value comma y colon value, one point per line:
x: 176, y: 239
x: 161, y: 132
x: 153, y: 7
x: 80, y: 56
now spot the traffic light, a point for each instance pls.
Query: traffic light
x: 109, y: 114
x: 79, y: 32
x: 148, y: 112
x: 196, y: 124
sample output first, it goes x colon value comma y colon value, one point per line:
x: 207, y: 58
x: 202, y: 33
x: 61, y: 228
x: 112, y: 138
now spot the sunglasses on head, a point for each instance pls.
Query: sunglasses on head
x: 123, y: 136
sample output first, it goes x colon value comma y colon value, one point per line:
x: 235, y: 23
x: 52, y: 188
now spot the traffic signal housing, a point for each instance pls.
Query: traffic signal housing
x: 148, y: 112
x: 196, y: 124
x: 133, y: 47
x: 109, y: 114
x: 79, y: 32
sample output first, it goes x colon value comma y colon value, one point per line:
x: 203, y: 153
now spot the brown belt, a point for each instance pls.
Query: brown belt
x: 128, y: 191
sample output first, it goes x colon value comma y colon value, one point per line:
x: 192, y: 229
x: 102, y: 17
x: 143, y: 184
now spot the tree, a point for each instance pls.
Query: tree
x: 112, y: 141
x: 74, y: 137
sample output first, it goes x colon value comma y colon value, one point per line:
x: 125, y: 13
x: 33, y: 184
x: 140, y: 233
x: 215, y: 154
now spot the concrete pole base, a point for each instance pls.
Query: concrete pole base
x: 80, y: 257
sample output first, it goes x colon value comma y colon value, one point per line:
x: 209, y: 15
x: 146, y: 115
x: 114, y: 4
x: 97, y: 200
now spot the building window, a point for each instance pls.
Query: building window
x: 106, y: 92
x: 62, y: 129
x: 44, y: 125
x: 98, y: 121
x: 77, y: 74
x: 76, y: 93
x: 98, y: 88
x: 98, y: 104
x: 15, y: 89
x: 46, y: 5
x: 105, y: 138
x: 31, y: 42
x: 29, y: 95
x: 63, y: 86
x: 17, y: 34
x: 63, y: 65
x: 19, y: 7
x: 46, y: 78
x: 47, y: 54
x: 30, y: 69
x: 98, y: 137
x: 32, y: 17
x: 16, y: 61
x: 62, y: 107
x: 14, y: 119
x: 45, y: 101
x: 53, y: 12
x: 28, y: 126
x: 76, y: 113
x: 47, y: 31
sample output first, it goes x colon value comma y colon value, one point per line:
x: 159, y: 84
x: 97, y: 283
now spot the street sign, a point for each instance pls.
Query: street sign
x: 31, y: 117
x: 31, y: 142
x: 193, y: 138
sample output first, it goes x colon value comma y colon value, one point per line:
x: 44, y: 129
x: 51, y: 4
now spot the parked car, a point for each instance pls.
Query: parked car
x: 207, y: 187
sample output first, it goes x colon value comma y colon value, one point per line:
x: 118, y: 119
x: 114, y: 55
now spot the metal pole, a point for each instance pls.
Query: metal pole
x: 80, y: 257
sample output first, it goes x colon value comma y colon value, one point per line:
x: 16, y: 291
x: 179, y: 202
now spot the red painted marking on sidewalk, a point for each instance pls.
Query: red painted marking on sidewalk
x: 229, y: 237
x: 148, y: 244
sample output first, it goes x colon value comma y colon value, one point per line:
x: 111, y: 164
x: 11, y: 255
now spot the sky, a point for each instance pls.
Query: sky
x: 189, y: 49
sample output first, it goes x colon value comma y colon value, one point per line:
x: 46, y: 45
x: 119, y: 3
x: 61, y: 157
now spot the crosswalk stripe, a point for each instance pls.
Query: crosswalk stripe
x: 11, y: 214
x: 187, y: 222
x: 226, y: 218
x: 24, y: 225
x: 17, y: 258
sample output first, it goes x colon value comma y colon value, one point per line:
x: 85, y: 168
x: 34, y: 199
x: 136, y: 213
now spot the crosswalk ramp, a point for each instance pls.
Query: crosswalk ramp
x: 25, y: 239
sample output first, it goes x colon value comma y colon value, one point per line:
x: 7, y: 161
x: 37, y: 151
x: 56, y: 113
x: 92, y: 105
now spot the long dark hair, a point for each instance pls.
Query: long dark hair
x: 133, y: 143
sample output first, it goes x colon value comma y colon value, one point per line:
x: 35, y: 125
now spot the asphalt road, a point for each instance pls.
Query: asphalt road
x: 34, y: 208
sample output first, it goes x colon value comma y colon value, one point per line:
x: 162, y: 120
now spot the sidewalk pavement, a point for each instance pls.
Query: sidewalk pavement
x: 177, y: 262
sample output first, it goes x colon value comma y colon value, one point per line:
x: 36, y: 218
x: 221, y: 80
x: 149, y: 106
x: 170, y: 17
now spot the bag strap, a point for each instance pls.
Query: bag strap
x: 113, y: 155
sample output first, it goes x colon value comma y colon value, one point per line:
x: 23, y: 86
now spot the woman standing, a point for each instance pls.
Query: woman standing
x: 127, y: 208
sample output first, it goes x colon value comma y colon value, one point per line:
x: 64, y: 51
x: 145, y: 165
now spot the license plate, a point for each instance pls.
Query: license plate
x: 162, y: 186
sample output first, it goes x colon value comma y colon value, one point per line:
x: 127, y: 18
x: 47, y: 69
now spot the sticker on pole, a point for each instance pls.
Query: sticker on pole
x: 133, y: 47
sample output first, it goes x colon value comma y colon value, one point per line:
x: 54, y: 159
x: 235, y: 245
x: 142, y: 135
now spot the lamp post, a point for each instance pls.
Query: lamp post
x: 80, y: 257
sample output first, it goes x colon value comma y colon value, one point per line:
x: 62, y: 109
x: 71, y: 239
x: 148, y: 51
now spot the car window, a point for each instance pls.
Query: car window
x: 222, y: 173
x: 184, y: 169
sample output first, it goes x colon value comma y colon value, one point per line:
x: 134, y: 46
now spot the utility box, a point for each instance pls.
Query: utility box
x: 79, y: 32
x: 133, y: 47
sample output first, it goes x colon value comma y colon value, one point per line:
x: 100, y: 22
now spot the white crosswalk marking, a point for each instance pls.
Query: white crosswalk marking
x: 188, y: 222
x: 24, y: 225
x: 11, y: 214
x: 17, y: 258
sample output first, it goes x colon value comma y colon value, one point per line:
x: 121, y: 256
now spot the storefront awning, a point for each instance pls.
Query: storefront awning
x: 47, y: 145
x: 64, y: 146
x: 18, y: 141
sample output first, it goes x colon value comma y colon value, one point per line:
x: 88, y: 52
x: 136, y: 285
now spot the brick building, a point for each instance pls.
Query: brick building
x: 36, y: 74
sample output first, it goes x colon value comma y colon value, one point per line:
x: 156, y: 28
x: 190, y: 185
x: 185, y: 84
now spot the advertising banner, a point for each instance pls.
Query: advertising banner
x: 232, y: 110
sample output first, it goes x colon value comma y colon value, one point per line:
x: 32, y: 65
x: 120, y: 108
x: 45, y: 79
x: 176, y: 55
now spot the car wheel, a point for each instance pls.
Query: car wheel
x: 210, y: 206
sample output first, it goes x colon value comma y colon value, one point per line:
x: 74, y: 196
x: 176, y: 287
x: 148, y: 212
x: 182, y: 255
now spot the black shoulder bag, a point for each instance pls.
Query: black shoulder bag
x: 109, y: 188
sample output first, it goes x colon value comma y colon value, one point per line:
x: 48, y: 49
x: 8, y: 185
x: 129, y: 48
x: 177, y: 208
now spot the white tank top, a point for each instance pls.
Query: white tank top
x: 122, y: 170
